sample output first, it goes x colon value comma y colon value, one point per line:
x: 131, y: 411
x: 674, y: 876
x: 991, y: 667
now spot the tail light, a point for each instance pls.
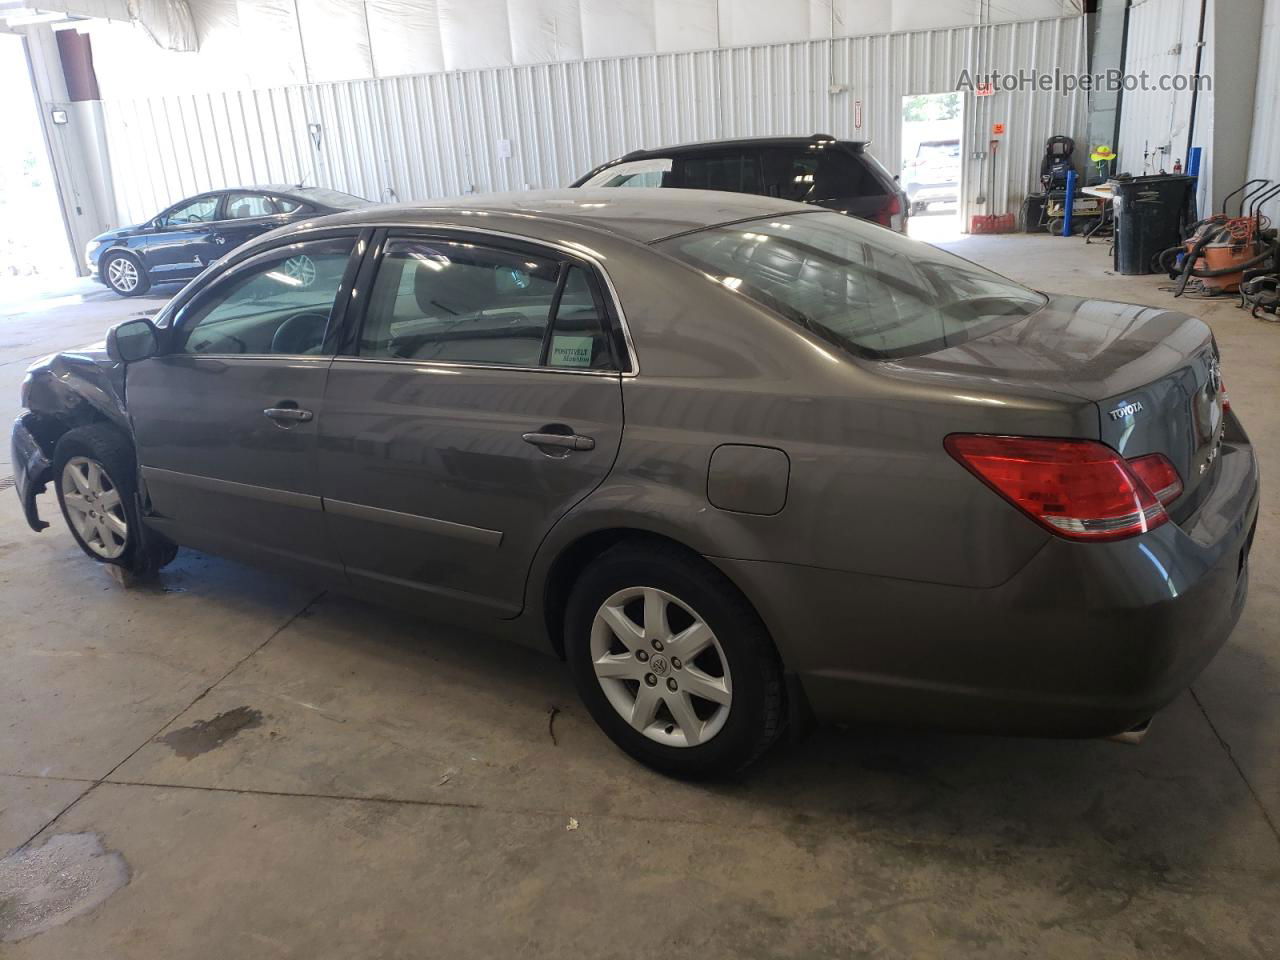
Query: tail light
x: 890, y: 215
x: 1078, y: 489
x: 1159, y: 475
x: 1222, y: 392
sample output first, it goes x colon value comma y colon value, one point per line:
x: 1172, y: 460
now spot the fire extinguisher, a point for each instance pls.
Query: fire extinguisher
x: 1177, y: 166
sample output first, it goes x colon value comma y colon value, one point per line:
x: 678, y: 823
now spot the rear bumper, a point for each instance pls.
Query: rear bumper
x: 933, y: 192
x: 31, y: 471
x: 1086, y: 640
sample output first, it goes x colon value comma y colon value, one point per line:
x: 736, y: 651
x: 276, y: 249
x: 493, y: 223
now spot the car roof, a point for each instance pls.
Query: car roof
x: 321, y: 195
x: 680, y: 148
x: 643, y: 214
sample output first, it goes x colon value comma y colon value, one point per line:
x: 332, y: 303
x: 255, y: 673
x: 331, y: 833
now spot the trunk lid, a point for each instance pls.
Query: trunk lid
x: 1152, y: 373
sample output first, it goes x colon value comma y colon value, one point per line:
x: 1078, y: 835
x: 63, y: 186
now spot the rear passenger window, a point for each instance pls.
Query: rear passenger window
x: 736, y: 172
x: 436, y: 300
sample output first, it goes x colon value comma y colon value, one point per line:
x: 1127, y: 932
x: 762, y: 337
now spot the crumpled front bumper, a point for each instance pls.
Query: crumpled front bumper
x: 31, y: 470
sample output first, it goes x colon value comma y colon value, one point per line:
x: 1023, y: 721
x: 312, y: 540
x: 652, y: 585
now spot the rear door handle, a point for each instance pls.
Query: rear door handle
x: 565, y: 441
x: 287, y: 414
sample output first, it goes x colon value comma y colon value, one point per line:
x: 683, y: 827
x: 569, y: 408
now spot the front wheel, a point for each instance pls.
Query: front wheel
x: 125, y: 275
x: 96, y: 483
x: 672, y: 662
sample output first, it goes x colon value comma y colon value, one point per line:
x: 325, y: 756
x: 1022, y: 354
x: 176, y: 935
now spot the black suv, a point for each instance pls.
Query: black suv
x: 833, y: 173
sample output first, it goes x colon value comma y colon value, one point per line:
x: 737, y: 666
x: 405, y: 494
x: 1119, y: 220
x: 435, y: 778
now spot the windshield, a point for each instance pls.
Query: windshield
x: 947, y: 150
x: 864, y: 288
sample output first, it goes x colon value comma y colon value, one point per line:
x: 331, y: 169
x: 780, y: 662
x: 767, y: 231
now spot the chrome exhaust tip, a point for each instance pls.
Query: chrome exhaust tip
x: 1134, y: 735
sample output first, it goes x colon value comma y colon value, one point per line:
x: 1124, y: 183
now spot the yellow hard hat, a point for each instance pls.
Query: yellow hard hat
x: 1101, y: 153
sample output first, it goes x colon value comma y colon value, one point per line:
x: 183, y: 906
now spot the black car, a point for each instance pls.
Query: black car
x: 181, y: 241
x: 838, y: 174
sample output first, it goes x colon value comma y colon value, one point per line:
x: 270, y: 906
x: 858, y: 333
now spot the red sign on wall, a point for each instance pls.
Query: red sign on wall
x: 983, y: 89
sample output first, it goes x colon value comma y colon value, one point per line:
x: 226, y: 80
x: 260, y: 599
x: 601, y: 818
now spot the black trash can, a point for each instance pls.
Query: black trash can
x: 1149, y: 213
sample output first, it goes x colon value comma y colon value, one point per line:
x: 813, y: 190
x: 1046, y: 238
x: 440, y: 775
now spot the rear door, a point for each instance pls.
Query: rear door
x: 479, y: 400
x: 225, y: 420
x: 245, y: 216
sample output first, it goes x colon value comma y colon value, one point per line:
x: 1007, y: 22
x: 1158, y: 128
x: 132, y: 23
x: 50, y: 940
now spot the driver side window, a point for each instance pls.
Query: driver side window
x: 197, y: 211
x: 280, y: 305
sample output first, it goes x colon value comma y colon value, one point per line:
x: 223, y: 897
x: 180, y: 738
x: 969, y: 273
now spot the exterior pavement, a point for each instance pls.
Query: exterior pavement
x: 287, y: 773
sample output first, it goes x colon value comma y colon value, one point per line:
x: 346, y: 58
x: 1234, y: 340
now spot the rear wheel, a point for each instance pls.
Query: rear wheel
x: 96, y: 484
x: 672, y: 662
x: 124, y: 275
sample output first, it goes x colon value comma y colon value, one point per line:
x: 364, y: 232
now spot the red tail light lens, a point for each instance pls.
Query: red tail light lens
x: 1222, y: 392
x: 1079, y: 489
x: 1159, y: 475
x: 892, y: 207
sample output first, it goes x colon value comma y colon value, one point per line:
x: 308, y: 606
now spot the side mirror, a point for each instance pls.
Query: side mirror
x: 132, y: 340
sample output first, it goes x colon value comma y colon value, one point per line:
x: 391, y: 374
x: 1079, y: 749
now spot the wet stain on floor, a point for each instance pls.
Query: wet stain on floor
x: 43, y: 887
x: 205, y: 735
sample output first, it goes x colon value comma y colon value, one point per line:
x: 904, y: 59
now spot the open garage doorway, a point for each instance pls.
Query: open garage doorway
x: 932, y: 133
x: 33, y: 235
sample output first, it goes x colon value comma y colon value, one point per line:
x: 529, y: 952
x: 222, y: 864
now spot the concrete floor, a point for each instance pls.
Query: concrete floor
x: 266, y: 771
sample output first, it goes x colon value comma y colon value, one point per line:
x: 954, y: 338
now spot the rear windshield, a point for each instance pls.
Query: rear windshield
x: 861, y: 287
x: 332, y: 198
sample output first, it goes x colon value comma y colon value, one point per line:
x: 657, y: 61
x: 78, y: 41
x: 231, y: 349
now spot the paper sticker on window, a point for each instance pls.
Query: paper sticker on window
x: 571, y: 351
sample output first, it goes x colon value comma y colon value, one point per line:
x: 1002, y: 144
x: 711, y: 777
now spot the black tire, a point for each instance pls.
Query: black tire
x: 143, y: 283
x: 756, y: 711
x: 1055, y: 226
x: 144, y: 551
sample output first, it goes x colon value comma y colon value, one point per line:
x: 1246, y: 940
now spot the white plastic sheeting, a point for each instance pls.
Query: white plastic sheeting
x: 257, y: 43
x: 168, y: 22
x: 419, y: 137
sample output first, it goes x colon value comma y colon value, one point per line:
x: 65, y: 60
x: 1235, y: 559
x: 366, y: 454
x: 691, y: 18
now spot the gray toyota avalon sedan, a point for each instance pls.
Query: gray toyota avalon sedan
x: 737, y: 460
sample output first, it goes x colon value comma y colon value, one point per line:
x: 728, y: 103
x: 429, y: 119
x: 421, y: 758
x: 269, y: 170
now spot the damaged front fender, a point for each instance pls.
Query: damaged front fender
x: 61, y: 392
x: 31, y: 471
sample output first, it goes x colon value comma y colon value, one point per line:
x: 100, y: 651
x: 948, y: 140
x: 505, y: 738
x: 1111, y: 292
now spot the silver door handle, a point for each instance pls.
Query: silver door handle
x: 566, y: 441
x: 287, y: 414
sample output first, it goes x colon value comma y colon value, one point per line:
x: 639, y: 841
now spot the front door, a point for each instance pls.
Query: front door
x: 483, y: 401
x: 225, y: 421
x: 184, y: 240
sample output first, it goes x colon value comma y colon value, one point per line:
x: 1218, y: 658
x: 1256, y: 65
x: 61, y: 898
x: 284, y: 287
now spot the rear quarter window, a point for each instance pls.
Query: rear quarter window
x: 819, y: 171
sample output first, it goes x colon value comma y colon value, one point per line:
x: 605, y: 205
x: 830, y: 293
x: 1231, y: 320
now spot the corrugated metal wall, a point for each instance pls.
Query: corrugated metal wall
x: 1153, y: 128
x: 436, y: 135
x: 1264, y: 150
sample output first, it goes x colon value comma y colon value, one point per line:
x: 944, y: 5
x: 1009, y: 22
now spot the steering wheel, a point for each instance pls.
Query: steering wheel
x: 301, y: 333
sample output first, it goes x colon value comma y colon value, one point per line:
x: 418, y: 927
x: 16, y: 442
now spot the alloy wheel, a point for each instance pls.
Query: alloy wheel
x: 302, y: 269
x: 94, y: 507
x: 661, y: 667
x: 122, y: 274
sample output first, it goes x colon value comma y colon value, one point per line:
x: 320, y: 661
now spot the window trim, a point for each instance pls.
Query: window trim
x: 393, y: 230
x: 337, y: 313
